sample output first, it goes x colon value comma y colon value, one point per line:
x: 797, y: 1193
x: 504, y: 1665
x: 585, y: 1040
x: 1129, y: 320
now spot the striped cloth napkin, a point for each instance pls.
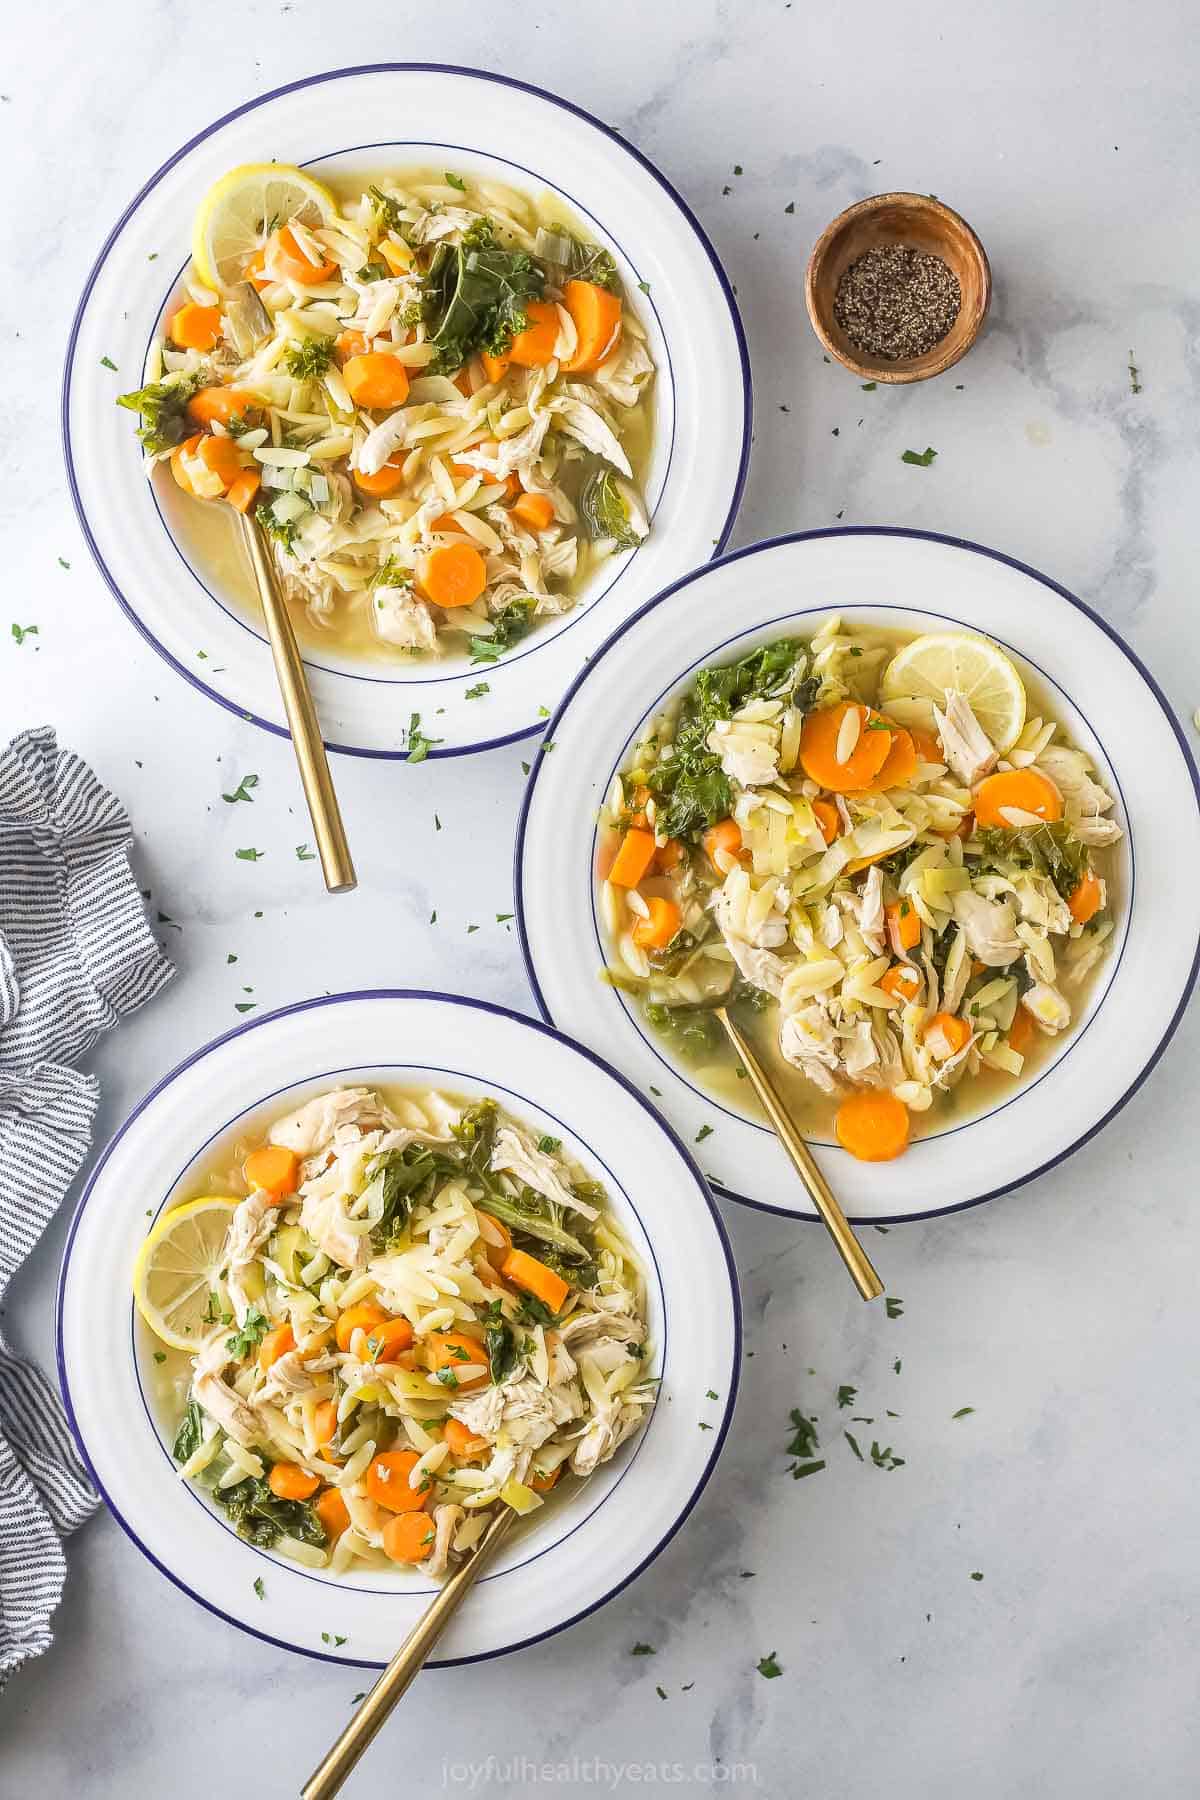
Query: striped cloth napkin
x: 76, y: 952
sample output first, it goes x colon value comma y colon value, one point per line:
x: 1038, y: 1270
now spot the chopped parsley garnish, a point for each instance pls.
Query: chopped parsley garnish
x: 331, y: 1637
x: 705, y: 1131
x: 308, y: 360
x: 478, y: 691
x: 643, y: 1650
x: 304, y: 854
x: 456, y: 181
x: 769, y: 1666
x: 259, y: 1589
x: 976, y: 1574
x: 893, y: 1308
x: 846, y: 1396
x: 853, y: 1443
x: 107, y: 362
x: 419, y: 745
x: 250, y: 855
x: 242, y: 790
x: 920, y: 458
x: 962, y: 1412
x: 249, y: 1337
x: 549, y: 1146
x: 21, y: 632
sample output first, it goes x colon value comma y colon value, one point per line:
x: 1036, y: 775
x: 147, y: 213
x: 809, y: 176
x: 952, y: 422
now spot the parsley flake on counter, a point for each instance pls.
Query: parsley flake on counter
x: 711, y: 1394
x: 799, y: 1470
x: 769, y: 1666
x: 304, y: 854
x: 331, y: 1637
x: 1135, y: 383
x: 883, y: 1459
x: 106, y: 362
x: 63, y: 563
x: 705, y: 1131
x: 868, y: 387
x: 962, y: 1412
x: 21, y: 632
x: 846, y: 1396
x: 853, y: 1443
x: 660, y: 1691
x: 242, y: 790
x: 643, y: 1650
x: 477, y: 692
x: 893, y: 1308
x: 244, y: 1006
x: 259, y: 1589
x: 250, y: 855
x: 804, y: 1440
x: 921, y: 459
x: 976, y: 1574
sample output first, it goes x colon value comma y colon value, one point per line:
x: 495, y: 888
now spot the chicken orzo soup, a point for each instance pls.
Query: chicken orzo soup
x: 433, y: 391
x: 390, y: 1313
x: 894, y: 867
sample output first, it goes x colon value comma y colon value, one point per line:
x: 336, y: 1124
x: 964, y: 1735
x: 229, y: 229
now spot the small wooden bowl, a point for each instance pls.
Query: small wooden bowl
x: 924, y: 224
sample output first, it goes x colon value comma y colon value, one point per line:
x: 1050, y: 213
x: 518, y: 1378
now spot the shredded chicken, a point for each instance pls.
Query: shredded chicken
x: 990, y: 927
x: 966, y: 745
x: 400, y: 617
x: 312, y: 1126
x: 516, y: 1154
x: 249, y: 1229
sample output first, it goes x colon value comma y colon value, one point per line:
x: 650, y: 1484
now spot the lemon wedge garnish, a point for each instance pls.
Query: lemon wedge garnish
x: 921, y: 673
x: 239, y: 213
x: 178, y: 1268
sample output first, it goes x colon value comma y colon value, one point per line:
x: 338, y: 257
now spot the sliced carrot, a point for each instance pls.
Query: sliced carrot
x: 1020, y: 1032
x: 363, y: 1317
x: 179, y: 456
x: 633, y: 858
x: 285, y: 254
x: 455, y: 1351
x: 220, y: 454
x: 242, y: 489
x: 1088, y: 898
x: 386, y: 1481
x: 723, y: 838
x: 926, y: 745
x: 195, y: 327
x: 464, y: 1444
x: 946, y: 1034
x: 872, y: 1125
x: 376, y: 379
x: 828, y: 818
x: 534, y: 346
x: 901, y: 982
x: 445, y: 522
x: 534, y: 510
x: 819, y: 741
x: 525, y: 1271
x: 383, y: 482
x: 325, y: 1423
x: 453, y: 575
x: 904, y: 925
x: 494, y: 367
x: 275, y: 1344
x: 496, y: 1253
x: 394, y: 257
x: 290, y: 1482
x: 221, y: 405
x: 597, y: 317
x: 386, y: 1341
x: 462, y: 382
x: 333, y: 1513
x: 901, y: 764
x: 255, y: 271
x: 273, y: 1169
x: 668, y: 856
x: 541, y: 1481
x: 409, y: 1537
x: 1025, y: 789
x: 656, y: 932
x: 350, y: 343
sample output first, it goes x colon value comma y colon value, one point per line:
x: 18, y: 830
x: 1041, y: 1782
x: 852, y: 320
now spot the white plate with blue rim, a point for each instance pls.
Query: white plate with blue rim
x: 913, y: 582
x: 572, y: 1556
x: 366, y: 122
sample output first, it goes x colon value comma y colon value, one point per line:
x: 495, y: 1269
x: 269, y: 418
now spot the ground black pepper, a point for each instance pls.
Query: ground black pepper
x: 897, y: 302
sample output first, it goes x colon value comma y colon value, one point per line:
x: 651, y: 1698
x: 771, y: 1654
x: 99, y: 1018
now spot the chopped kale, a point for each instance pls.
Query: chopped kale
x: 163, y: 408
x: 475, y: 296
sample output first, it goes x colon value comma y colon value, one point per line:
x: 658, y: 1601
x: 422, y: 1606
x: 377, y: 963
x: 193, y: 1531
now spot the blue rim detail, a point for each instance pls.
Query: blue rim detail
x: 954, y: 543
x: 1074, y: 1038
x: 422, y: 68
x: 485, y: 1006
x: 579, y: 611
x: 335, y: 1582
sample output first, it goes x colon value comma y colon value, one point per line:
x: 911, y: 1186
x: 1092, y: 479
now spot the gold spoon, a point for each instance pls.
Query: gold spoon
x: 329, y: 1775
x: 337, y: 865
x: 820, y: 1193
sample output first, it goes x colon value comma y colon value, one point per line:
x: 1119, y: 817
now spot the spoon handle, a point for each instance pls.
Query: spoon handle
x: 337, y: 865
x: 329, y: 1775
x: 850, y: 1250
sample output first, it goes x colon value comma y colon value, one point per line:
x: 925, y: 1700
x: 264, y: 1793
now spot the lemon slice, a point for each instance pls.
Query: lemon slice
x: 178, y: 1269
x: 240, y: 211
x: 920, y: 674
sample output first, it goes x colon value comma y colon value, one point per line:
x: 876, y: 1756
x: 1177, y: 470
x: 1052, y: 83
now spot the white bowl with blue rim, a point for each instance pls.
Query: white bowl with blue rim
x: 916, y: 582
x: 573, y: 1555
x: 363, y: 122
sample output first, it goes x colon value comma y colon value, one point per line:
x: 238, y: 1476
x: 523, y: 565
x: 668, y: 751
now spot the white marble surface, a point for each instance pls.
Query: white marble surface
x: 1064, y: 1314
